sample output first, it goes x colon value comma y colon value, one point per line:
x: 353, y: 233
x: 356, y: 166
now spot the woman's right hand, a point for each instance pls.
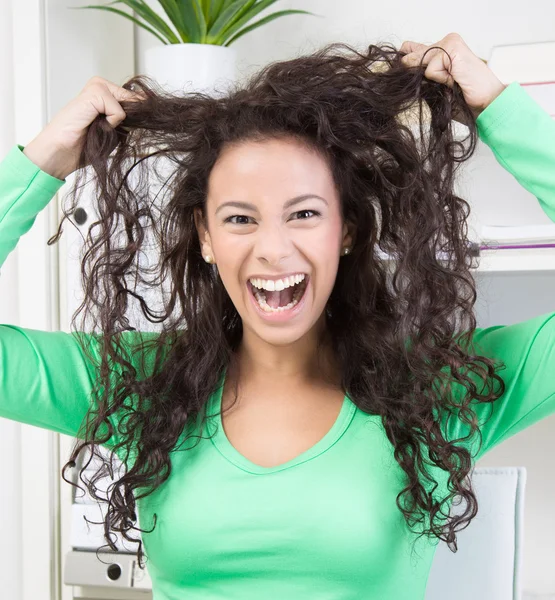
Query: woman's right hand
x: 56, y: 149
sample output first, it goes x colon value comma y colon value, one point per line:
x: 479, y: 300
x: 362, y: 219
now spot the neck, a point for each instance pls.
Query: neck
x: 299, y: 363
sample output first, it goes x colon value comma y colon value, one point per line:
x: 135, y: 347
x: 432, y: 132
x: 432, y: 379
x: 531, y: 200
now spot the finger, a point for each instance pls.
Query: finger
x: 137, y: 94
x: 421, y: 57
x: 438, y: 69
x: 121, y: 93
x: 105, y: 103
x: 408, y: 46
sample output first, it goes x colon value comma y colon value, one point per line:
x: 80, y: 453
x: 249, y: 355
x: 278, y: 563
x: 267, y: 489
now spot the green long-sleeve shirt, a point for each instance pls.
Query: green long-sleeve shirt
x: 325, y: 525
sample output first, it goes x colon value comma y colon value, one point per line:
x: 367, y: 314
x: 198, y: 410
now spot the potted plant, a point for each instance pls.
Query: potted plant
x: 196, y: 37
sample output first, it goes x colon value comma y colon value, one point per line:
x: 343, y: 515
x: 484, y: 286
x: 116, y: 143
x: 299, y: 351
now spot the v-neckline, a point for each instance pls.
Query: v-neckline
x: 230, y: 453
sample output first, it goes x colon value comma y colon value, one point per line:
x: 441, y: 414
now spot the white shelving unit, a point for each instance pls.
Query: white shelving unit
x: 511, y: 261
x: 514, y: 261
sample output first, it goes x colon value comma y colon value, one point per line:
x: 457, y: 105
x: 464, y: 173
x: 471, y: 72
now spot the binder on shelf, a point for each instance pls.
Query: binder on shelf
x: 519, y: 234
x: 532, y: 65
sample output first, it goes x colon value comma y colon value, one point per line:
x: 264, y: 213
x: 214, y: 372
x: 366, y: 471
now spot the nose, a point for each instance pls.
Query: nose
x: 273, y: 245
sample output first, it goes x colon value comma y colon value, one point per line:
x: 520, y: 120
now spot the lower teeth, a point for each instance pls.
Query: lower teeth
x: 265, y: 306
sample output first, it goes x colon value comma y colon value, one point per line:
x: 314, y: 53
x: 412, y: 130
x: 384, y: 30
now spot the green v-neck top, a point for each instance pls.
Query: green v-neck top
x: 224, y: 447
x: 325, y: 525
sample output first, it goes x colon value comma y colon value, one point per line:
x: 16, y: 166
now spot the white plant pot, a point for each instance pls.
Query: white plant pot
x: 180, y: 68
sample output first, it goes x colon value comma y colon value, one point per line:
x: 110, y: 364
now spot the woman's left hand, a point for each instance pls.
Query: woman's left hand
x: 479, y: 84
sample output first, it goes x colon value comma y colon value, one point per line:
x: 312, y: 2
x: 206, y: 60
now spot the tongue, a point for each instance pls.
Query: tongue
x: 282, y: 298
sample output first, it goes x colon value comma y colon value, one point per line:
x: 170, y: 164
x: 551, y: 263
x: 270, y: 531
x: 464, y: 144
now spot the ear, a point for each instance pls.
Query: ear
x: 349, y: 235
x: 203, y: 235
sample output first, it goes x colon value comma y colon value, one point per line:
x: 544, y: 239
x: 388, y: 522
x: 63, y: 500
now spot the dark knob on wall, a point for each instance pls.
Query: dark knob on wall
x: 114, y: 572
x: 80, y: 215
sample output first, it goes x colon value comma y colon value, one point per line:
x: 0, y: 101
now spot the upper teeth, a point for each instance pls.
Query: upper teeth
x: 279, y: 284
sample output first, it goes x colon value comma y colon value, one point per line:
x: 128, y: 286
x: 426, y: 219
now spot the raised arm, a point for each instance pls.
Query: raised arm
x: 46, y: 379
x: 522, y: 136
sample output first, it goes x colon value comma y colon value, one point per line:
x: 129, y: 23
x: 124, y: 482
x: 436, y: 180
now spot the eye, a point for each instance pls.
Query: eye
x: 314, y: 212
x: 228, y: 220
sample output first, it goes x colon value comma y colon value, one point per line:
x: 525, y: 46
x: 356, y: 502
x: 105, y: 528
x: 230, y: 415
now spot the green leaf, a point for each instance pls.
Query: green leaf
x: 267, y: 19
x: 214, y: 11
x: 228, y: 17
x: 190, y: 19
x: 146, y: 13
x: 225, y: 4
x: 172, y: 10
x: 234, y: 26
x: 206, y: 6
x: 200, y: 19
x: 123, y: 14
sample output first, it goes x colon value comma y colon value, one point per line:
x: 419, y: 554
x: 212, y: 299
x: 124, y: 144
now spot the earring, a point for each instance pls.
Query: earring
x: 346, y: 251
x: 208, y: 259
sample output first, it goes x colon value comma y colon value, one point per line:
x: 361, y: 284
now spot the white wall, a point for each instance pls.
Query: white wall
x: 10, y: 432
x: 482, y: 25
x: 8, y: 277
x: 508, y: 298
x: 26, y: 524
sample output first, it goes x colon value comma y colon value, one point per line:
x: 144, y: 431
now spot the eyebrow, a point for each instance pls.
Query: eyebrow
x: 248, y: 206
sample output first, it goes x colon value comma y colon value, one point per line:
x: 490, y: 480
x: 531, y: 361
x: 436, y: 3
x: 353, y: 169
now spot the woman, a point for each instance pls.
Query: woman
x: 332, y: 435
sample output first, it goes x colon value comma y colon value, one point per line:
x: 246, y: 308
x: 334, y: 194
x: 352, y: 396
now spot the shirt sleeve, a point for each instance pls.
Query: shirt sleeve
x: 24, y: 191
x: 522, y: 137
x: 46, y: 379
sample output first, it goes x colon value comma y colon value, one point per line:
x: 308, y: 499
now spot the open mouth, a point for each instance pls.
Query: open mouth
x: 279, y: 301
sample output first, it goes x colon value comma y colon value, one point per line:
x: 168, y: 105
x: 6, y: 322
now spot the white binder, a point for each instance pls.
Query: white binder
x: 532, y: 65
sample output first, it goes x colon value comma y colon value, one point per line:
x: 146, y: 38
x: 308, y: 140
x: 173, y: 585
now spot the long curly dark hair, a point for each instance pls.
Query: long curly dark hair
x: 400, y: 314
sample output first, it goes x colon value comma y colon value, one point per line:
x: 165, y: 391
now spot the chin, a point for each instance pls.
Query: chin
x: 280, y: 338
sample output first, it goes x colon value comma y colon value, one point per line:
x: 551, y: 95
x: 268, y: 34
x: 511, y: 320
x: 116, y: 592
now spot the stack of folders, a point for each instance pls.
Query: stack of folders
x: 503, y: 237
x: 517, y: 236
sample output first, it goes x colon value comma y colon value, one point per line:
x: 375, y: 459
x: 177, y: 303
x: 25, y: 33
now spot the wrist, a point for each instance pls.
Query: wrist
x: 496, y: 89
x: 46, y: 158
